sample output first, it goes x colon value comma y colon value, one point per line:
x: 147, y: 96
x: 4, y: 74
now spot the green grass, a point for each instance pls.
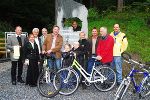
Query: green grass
x: 135, y: 27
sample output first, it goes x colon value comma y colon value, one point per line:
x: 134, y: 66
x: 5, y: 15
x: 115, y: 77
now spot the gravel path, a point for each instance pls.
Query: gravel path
x: 22, y: 92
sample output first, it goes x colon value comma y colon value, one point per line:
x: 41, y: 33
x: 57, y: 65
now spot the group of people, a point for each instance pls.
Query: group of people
x: 107, y: 48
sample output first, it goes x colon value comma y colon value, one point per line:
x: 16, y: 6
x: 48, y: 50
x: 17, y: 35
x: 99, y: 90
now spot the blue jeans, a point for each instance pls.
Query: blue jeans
x: 91, y: 63
x: 117, y: 62
x: 54, y: 64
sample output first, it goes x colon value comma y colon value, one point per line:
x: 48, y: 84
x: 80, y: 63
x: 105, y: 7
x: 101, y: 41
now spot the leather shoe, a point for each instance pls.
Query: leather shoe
x: 32, y: 85
x: 84, y: 86
x: 13, y: 82
x: 21, y: 81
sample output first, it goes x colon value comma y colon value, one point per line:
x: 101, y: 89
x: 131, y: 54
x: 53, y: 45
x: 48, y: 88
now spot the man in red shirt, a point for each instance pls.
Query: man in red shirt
x: 105, y: 47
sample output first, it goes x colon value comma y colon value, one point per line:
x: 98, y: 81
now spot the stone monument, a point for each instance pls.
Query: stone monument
x: 70, y: 9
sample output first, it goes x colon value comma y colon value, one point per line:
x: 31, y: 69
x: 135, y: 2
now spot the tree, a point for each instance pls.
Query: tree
x: 120, y: 5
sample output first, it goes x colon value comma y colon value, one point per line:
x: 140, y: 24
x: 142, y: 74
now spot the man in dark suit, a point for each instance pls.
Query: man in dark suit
x: 16, y: 40
x: 35, y: 32
x: 38, y: 41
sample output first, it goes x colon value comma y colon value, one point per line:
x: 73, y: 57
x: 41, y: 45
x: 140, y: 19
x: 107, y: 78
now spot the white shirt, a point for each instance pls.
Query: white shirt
x: 93, y: 46
x: 18, y: 35
x: 38, y: 44
x: 53, y: 43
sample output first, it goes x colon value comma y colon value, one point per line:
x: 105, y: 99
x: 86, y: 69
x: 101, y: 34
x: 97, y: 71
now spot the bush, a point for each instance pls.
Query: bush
x: 4, y: 26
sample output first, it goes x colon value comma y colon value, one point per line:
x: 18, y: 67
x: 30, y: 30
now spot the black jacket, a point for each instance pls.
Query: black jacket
x: 90, y: 45
x: 30, y: 53
x: 85, y: 46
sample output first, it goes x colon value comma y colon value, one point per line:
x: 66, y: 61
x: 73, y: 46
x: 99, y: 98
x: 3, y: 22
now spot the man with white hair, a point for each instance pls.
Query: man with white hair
x: 35, y: 32
x: 105, y: 47
x: 37, y: 39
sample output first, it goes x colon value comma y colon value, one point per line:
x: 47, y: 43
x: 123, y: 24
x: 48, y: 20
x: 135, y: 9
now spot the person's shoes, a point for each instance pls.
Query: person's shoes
x: 21, y: 81
x: 33, y: 85
x: 84, y: 86
x: 13, y: 82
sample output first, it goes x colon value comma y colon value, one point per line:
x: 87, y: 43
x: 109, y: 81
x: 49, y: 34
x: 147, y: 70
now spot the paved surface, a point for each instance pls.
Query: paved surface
x: 23, y: 92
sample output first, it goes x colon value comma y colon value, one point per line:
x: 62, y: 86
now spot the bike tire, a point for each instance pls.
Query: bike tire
x: 47, y: 89
x: 109, y: 83
x: 145, y: 91
x: 69, y: 81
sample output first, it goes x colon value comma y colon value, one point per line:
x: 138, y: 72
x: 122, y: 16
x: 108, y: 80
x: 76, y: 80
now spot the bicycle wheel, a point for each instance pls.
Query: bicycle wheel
x: 45, y: 84
x: 145, y: 88
x: 122, y: 89
x: 110, y: 76
x: 69, y: 81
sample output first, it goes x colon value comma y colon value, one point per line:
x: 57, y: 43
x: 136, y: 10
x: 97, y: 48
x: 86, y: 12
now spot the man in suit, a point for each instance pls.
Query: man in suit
x: 52, y: 45
x: 44, y: 34
x: 16, y: 40
x: 35, y: 32
x: 38, y: 41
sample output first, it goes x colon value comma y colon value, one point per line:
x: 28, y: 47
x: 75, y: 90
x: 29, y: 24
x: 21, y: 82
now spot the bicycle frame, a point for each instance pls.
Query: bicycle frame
x: 130, y: 78
x: 131, y: 75
x: 86, y: 75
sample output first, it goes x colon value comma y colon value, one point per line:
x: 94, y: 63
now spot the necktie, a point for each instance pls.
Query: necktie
x: 19, y: 40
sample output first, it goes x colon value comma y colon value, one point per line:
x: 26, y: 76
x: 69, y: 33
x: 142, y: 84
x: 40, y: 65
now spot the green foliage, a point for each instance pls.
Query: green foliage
x: 140, y: 7
x: 93, y: 14
x: 135, y: 27
x: 4, y: 27
x: 68, y: 22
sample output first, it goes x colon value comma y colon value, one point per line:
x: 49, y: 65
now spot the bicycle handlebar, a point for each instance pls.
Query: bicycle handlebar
x: 126, y: 56
x: 94, y: 57
x: 129, y: 60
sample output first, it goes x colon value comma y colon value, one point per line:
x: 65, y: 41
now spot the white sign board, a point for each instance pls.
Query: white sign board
x: 69, y: 36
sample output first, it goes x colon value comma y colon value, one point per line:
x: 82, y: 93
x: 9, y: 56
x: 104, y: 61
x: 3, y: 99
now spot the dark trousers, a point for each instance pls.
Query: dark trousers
x: 14, y: 66
x: 32, y: 72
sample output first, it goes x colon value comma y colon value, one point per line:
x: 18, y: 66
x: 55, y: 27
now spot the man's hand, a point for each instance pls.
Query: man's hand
x: 49, y: 51
x: 98, y: 57
x: 43, y: 52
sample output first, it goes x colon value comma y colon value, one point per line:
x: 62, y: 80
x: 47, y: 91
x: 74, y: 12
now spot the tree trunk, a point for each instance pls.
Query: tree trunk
x: 120, y: 5
x: 94, y: 3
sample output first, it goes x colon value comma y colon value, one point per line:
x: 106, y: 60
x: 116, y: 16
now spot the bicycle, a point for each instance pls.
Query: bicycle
x: 45, y: 80
x: 143, y: 89
x: 103, y: 77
